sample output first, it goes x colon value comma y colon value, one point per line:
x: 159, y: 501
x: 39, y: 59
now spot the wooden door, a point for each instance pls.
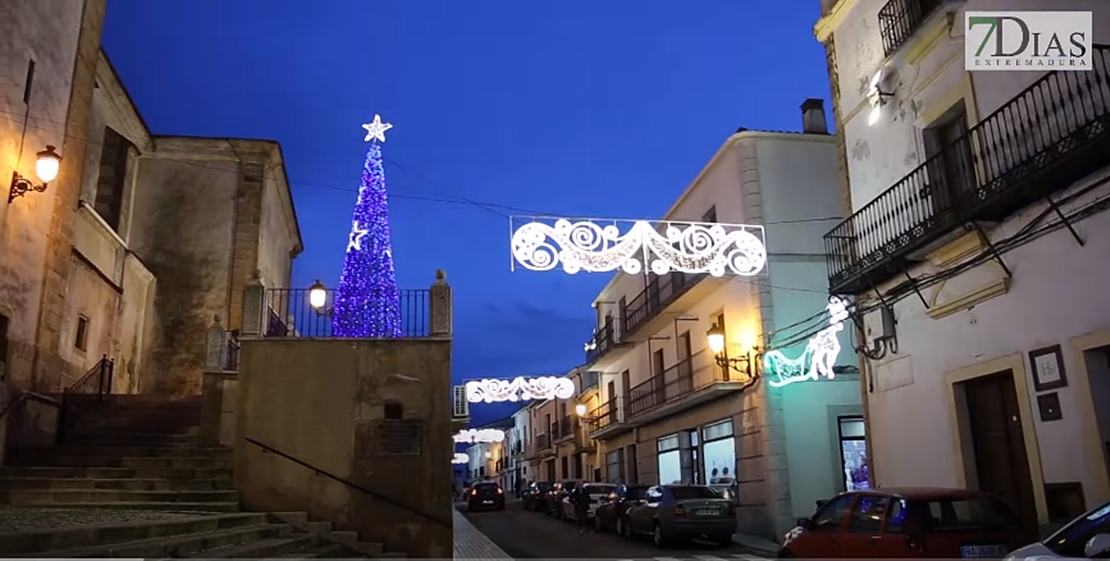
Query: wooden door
x: 1001, y: 461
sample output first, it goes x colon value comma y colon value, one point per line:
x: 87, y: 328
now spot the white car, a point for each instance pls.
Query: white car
x: 1086, y: 537
x: 595, y: 491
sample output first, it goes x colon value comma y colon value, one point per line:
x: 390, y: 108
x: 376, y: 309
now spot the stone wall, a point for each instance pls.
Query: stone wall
x: 344, y: 406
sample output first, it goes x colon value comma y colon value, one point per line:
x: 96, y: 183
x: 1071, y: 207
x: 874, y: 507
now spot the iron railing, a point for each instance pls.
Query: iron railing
x: 1049, y: 136
x: 231, y: 354
x: 682, y: 378
x: 543, y: 442
x: 291, y: 314
x: 603, y: 340
x: 567, y: 427
x: 659, y: 293
x: 97, y: 381
x: 606, y: 414
x: 899, y: 19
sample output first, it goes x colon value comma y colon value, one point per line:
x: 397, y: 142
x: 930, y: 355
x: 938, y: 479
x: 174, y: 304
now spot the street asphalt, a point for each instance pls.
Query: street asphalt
x: 532, y: 535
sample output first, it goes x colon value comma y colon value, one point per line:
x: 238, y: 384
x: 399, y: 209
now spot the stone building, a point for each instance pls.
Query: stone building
x: 973, y: 244
x: 670, y: 411
x: 560, y: 447
x: 142, y: 238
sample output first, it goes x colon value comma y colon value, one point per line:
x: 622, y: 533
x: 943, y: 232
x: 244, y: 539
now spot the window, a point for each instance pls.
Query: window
x: 896, y: 517
x: 394, y: 410
x: 719, y: 453
x: 81, y: 338
x: 710, y: 215
x: 830, y: 517
x: 113, y: 173
x: 684, y: 493
x: 951, y: 174
x: 853, y: 453
x: 4, y: 323
x: 867, y: 514
x: 974, y: 513
x: 565, y: 467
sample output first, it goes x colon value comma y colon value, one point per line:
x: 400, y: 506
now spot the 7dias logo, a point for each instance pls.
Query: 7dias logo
x: 1027, y: 41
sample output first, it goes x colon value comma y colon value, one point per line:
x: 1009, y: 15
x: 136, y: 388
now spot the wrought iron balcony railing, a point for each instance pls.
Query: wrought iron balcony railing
x: 290, y: 313
x: 543, y: 442
x: 899, y: 19
x: 1046, y: 138
x: 683, y: 378
x: 566, y: 427
x: 606, y: 414
x: 660, y: 292
x: 603, y: 340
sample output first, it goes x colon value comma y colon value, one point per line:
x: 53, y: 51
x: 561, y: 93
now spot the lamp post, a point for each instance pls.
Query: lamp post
x: 318, y: 298
x: 47, y: 164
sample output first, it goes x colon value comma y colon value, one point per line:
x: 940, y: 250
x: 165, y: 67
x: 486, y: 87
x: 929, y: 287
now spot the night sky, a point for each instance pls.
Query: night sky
x: 597, y: 108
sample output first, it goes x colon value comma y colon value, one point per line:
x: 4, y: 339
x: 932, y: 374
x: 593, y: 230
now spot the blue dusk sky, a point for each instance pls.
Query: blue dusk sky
x: 595, y: 108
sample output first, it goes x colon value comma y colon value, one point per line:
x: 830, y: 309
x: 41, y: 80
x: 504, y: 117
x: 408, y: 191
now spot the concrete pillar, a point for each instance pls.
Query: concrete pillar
x: 254, y: 307
x: 439, y: 307
x: 212, y: 405
x: 216, y: 346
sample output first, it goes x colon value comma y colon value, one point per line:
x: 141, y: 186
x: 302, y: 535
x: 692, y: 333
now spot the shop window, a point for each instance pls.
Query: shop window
x: 853, y: 454
x: 669, y: 460
x: 719, y: 453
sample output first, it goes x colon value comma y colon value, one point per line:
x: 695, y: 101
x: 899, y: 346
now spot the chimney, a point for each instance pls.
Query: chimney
x: 813, y: 117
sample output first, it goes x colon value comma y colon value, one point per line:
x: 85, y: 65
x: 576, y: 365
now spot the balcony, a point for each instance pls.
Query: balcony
x: 643, y: 315
x: 603, y: 341
x: 607, y: 420
x: 1046, y: 138
x: 543, y: 443
x: 900, y: 19
x: 686, y: 384
x: 568, y: 426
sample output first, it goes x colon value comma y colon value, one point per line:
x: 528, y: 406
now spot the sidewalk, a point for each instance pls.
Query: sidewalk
x: 757, y: 545
x: 471, y: 543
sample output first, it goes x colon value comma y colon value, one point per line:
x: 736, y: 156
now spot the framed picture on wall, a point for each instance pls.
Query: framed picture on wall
x: 1047, y: 365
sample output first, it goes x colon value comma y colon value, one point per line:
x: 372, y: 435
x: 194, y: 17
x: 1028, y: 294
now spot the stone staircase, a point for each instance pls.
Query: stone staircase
x: 131, y: 480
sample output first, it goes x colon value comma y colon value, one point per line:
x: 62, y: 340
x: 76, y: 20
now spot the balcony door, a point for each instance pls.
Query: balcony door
x: 685, y: 367
x: 951, y: 167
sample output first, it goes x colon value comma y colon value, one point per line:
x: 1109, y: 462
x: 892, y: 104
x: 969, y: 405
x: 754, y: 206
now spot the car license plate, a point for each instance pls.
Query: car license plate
x: 487, y: 502
x: 983, y: 551
x: 707, y: 512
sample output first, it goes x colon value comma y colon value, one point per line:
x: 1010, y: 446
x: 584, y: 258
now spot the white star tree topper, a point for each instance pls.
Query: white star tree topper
x: 355, y: 237
x: 376, y: 131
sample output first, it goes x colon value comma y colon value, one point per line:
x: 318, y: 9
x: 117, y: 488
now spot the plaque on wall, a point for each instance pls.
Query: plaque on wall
x: 400, y: 437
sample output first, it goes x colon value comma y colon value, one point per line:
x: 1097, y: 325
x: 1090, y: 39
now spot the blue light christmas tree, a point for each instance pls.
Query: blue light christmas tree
x: 367, y: 302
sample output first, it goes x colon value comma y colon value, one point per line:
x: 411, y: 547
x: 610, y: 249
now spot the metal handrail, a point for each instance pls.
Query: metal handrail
x: 357, y: 487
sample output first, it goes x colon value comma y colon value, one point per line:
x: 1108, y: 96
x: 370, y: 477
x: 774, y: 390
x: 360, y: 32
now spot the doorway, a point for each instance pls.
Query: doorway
x: 1098, y: 376
x: 998, y: 442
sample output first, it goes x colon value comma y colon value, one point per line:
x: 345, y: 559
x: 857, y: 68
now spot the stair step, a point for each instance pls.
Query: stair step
x: 268, y: 548
x: 66, y: 496
x: 114, y: 472
x: 209, y: 507
x: 177, y: 546
x: 91, y: 534
x: 126, y: 484
x: 328, y: 551
x: 78, y: 449
x: 130, y: 438
x: 77, y: 460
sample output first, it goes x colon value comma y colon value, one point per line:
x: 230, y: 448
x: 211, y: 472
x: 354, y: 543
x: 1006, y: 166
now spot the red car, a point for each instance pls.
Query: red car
x: 924, y: 523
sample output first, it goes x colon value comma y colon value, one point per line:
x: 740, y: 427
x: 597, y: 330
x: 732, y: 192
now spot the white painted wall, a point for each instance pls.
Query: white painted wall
x: 812, y: 438
x: 1057, y: 292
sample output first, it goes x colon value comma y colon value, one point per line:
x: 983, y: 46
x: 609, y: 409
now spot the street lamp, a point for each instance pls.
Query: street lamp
x: 47, y: 164
x: 489, y: 455
x: 742, y: 364
x: 580, y: 409
x: 317, y: 296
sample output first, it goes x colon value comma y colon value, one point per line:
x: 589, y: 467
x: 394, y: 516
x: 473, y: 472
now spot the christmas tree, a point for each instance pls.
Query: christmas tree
x: 367, y: 303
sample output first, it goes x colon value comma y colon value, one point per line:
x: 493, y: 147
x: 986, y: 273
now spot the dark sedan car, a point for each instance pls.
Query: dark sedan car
x: 486, y: 496
x: 611, y: 509
x: 535, y: 495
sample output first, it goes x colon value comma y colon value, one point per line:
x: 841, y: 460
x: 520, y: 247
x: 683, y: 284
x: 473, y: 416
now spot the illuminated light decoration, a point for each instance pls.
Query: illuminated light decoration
x: 493, y: 390
x: 367, y: 301
x: 480, y: 436
x: 460, y: 459
x: 688, y: 247
x: 819, y: 356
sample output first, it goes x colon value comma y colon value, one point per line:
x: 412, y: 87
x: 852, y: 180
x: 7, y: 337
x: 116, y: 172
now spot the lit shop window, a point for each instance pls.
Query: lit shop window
x: 853, y: 454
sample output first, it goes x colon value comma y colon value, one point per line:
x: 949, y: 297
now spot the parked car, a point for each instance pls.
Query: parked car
x: 557, y: 494
x: 677, y: 513
x: 486, y: 496
x: 1086, y: 537
x: 595, y: 491
x: 727, y: 491
x: 611, y: 508
x: 908, y: 523
x: 535, y: 495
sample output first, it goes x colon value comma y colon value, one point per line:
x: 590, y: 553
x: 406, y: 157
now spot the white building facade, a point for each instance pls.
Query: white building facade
x: 669, y: 412
x: 518, y: 473
x: 976, y: 253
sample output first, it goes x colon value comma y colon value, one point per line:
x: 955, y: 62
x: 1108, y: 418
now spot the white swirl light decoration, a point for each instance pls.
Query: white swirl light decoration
x: 472, y: 436
x: 493, y: 390
x: 689, y: 247
x: 460, y: 459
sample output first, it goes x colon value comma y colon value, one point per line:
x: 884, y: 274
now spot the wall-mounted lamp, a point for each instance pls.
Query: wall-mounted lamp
x: 47, y: 164
x: 877, y: 95
x: 742, y: 364
x: 489, y: 455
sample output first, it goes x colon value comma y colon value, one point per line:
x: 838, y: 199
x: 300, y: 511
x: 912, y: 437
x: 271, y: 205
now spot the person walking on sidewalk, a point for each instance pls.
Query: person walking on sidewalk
x: 582, y: 510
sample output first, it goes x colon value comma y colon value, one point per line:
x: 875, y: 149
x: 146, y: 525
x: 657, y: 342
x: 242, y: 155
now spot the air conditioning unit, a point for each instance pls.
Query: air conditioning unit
x: 460, y: 407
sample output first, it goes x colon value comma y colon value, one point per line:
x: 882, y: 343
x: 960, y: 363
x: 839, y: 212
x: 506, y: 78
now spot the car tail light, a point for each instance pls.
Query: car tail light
x: 474, y: 493
x: 680, y: 510
x: 732, y: 511
x: 500, y: 491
